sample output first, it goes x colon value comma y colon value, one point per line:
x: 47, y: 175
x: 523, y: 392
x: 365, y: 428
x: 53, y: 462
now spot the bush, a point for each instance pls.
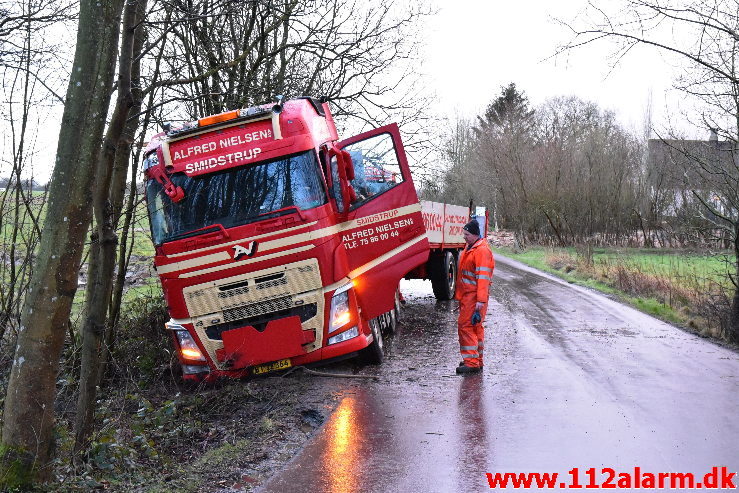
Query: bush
x: 142, y: 349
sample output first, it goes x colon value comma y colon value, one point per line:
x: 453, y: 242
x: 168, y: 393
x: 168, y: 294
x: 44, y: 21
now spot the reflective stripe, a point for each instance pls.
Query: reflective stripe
x: 468, y: 356
x: 485, y: 276
x: 467, y: 348
x: 468, y: 273
x: 467, y: 281
x: 486, y: 269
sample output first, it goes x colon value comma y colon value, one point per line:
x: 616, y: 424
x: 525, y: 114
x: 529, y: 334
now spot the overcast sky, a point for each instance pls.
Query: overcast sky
x: 473, y: 47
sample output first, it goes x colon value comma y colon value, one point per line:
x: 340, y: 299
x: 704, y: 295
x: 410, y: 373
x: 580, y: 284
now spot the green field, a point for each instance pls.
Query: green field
x: 676, y: 285
x: 675, y: 264
x: 671, y: 263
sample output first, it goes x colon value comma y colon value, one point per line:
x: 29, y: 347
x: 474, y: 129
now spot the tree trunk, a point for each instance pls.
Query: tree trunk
x: 123, y: 160
x: 103, y: 251
x: 555, y: 229
x: 648, y: 243
x: 734, y: 315
x: 29, y: 403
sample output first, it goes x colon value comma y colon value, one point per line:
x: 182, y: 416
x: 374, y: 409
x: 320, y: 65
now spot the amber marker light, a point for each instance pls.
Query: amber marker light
x: 343, y: 319
x: 188, y: 349
x: 192, y: 354
x: 221, y: 117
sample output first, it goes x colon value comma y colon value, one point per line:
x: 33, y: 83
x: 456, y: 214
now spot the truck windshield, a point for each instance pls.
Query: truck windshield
x: 235, y: 196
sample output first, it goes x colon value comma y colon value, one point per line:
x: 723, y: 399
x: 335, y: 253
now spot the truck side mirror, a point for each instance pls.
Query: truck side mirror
x: 346, y: 173
x: 345, y: 170
x: 155, y: 169
x: 348, y: 165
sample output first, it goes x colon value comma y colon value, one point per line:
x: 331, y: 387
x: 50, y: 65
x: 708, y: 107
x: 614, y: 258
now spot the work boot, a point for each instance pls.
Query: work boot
x: 461, y: 363
x: 468, y: 370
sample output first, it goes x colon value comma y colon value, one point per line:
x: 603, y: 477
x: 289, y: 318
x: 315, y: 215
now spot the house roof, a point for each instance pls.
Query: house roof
x: 685, y: 163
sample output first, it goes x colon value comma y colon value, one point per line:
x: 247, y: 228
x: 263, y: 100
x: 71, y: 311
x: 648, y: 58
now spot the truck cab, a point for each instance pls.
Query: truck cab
x: 276, y: 243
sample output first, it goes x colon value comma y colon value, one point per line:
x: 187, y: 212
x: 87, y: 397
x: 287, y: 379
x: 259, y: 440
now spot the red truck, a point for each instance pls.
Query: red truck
x: 278, y: 245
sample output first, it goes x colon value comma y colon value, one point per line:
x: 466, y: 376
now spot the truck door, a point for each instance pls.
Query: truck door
x: 383, y: 232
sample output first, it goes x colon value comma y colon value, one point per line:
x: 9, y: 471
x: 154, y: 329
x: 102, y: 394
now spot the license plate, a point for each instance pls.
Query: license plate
x: 275, y: 365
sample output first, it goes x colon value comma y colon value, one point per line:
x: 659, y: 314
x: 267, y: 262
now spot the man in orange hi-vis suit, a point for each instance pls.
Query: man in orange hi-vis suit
x: 476, y: 266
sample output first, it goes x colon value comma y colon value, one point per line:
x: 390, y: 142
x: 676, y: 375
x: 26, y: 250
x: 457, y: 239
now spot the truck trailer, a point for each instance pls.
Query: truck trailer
x: 278, y: 245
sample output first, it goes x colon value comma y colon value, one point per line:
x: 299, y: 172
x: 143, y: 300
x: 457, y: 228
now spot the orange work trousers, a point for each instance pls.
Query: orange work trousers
x: 471, y: 337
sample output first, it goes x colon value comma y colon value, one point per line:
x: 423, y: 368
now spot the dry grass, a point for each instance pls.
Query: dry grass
x: 561, y: 261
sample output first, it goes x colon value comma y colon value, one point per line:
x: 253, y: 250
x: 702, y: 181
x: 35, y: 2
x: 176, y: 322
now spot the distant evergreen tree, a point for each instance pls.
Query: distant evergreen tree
x: 509, y: 111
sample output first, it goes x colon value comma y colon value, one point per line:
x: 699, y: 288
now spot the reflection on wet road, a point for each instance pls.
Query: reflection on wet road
x: 572, y: 379
x: 343, y: 448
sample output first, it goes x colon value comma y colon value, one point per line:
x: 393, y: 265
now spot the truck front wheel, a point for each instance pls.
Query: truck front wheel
x: 375, y: 352
x: 444, y: 276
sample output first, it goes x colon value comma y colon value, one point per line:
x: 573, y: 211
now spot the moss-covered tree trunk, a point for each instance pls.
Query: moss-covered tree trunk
x: 29, y: 403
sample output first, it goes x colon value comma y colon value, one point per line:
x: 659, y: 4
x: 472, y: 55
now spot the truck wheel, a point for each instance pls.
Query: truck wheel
x: 393, y: 321
x: 375, y: 352
x: 444, y: 277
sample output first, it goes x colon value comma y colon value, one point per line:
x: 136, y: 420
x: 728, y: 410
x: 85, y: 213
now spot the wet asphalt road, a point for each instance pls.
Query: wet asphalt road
x: 572, y: 379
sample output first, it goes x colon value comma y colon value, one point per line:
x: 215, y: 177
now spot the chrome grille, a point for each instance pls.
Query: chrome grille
x: 255, y: 309
x: 305, y: 312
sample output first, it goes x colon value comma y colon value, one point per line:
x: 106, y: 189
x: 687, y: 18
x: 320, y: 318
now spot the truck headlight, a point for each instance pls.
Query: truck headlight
x: 340, y: 311
x: 188, y: 349
x: 344, y: 336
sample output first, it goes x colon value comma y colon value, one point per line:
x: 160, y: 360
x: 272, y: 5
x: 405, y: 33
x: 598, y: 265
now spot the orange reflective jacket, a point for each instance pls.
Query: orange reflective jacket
x: 476, y: 266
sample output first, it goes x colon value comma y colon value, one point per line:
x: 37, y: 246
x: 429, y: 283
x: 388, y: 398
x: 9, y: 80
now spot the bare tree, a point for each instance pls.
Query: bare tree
x: 29, y: 404
x: 702, y: 35
x: 458, y: 181
x: 109, y: 180
x: 564, y: 172
x: 231, y: 55
x: 27, y: 63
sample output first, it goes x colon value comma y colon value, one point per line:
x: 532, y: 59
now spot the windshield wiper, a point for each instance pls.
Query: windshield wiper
x: 210, y: 229
x: 284, y: 210
x: 201, y: 231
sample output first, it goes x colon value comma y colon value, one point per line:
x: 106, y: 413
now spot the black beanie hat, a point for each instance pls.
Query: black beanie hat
x: 472, y: 227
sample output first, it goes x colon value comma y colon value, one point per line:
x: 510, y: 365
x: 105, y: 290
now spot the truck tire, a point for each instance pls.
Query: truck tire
x: 444, y: 276
x: 393, y: 322
x: 375, y: 352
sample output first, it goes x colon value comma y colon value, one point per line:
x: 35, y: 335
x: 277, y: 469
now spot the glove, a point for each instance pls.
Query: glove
x: 476, y: 318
